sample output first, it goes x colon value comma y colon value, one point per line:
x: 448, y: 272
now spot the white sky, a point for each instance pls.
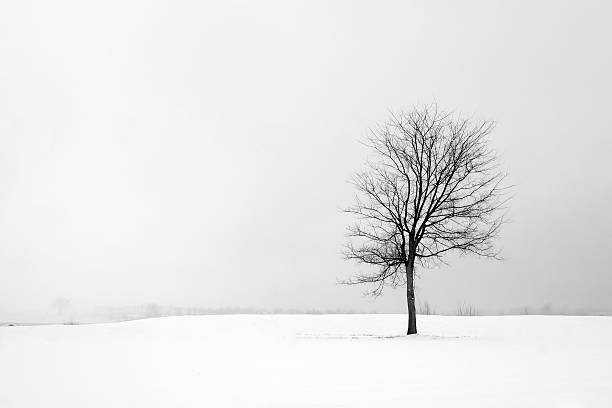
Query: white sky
x: 196, y: 153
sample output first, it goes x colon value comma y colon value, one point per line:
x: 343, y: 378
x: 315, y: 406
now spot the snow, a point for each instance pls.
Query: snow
x: 310, y: 361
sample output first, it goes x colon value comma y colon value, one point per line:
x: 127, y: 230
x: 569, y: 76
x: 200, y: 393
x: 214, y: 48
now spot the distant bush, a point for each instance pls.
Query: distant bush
x: 425, y: 309
x: 465, y: 309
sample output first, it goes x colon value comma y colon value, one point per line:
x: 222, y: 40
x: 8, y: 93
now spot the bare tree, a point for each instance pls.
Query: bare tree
x: 432, y: 187
x: 61, y: 304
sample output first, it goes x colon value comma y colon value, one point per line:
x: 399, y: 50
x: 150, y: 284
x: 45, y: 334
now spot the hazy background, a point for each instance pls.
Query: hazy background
x: 196, y: 153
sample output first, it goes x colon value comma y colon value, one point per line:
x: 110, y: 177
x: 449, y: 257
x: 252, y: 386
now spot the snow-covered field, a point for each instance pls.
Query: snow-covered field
x: 310, y: 361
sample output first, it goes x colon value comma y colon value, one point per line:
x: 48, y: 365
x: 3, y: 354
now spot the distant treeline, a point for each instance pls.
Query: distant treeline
x: 156, y: 310
x: 558, y: 310
x: 151, y: 310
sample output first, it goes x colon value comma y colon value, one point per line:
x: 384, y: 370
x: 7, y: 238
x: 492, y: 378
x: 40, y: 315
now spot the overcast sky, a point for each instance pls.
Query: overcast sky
x: 196, y: 153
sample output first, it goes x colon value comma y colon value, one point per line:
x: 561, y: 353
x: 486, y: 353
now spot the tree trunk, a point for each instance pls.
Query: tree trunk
x: 412, y: 327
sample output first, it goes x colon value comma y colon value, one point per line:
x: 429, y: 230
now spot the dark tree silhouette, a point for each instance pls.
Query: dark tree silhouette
x: 432, y: 187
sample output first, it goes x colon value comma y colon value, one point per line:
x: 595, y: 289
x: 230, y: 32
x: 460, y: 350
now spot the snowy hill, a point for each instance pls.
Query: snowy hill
x: 310, y: 361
